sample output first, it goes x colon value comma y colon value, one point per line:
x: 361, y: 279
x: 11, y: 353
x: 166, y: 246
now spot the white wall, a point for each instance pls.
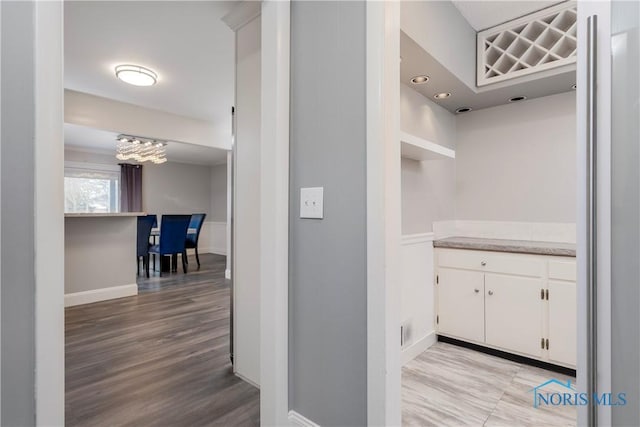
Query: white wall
x: 423, y: 118
x: 218, y: 211
x: 428, y: 194
x: 246, y: 271
x: 428, y: 188
x: 516, y: 162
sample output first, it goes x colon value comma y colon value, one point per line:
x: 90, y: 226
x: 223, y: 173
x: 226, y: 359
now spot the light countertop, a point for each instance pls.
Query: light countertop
x: 102, y: 214
x: 514, y: 246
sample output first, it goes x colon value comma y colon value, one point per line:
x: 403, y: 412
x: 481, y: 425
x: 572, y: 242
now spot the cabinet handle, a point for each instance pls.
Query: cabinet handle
x: 490, y: 292
x: 476, y: 290
x: 483, y: 263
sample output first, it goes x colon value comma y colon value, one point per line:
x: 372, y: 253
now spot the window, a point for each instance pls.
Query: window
x: 91, y: 188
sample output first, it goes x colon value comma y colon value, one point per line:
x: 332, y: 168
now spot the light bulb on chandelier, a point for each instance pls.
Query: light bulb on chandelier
x: 141, y: 149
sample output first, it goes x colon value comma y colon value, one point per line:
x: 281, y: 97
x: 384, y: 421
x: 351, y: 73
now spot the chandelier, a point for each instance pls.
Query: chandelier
x: 141, y: 149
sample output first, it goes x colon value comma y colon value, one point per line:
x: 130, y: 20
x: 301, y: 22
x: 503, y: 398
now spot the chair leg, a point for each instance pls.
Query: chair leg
x: 146, y: 264
x: 174, y: 263
x: 186, y: 259
x: 184, y: 263
x: 198, y: 258
x: 154, y: 261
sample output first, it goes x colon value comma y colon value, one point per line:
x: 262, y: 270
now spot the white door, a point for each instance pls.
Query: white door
x: 513, y: 313
x: 562, y: 322
x: 461, y: 304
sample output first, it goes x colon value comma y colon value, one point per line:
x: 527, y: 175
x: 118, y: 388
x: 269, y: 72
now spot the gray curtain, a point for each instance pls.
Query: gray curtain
x: 130, y: 188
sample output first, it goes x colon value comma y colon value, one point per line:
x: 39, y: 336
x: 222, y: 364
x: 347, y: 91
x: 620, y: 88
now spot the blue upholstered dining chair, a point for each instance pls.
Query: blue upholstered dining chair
x: 145, y: 224
x: 173, y: 232
x: 192, y: 238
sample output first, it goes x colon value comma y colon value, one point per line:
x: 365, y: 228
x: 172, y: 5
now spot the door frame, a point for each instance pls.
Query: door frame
x: 274, y: 214
x: 49, y: 221
x: 383, y: 213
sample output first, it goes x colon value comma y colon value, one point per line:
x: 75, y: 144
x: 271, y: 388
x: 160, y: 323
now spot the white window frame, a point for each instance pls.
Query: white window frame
x: 95, y: 167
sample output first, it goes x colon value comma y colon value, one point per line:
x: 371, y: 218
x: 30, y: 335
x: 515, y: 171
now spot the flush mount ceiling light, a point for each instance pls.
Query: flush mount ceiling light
x: 517, y: 98
x: 141, y: 149
x: 136, y: 75
x: 463, y: 110
x: 442, y: 95
x: 418, y: 80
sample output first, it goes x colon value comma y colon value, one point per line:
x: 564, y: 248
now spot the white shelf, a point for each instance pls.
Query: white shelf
x: 420, y: 149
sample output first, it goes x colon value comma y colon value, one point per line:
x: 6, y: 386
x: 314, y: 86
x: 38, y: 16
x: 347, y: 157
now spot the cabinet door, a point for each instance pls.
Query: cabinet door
x: 513, y: 313
x: 461, y: 304
x: 562, y: 322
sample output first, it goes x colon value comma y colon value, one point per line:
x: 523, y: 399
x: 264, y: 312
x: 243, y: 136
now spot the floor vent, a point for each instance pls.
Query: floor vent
x: 541, y: 41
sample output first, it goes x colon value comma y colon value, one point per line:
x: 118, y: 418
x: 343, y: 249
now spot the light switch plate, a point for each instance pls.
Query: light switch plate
x: 311, y: 202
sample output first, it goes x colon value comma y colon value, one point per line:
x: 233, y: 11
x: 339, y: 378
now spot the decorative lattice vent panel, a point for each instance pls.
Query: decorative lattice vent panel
x: 541, y: 41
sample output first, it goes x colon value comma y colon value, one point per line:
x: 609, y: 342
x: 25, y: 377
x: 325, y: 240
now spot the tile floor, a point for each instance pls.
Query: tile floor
x: 449, y: 385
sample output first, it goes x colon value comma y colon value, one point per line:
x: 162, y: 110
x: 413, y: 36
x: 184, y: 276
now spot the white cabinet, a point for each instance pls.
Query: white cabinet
x: 513, y: 313
x: 563, y: 312
x: 519, y: 303
x: 461, y: 291
x: 562, y: 322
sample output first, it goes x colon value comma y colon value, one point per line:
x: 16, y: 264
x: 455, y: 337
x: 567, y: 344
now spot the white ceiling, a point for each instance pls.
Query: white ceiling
x: 91, y: 140
x: 186, y: 43
x: 486, y: 14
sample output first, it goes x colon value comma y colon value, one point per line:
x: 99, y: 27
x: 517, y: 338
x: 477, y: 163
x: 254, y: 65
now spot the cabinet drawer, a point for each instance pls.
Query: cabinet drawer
x: 494, y: 262
x: 562, y: 270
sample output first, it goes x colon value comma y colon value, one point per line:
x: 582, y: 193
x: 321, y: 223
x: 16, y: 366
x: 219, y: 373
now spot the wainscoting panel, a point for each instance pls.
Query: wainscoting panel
x: 213, y: 238
x: 418, y: 295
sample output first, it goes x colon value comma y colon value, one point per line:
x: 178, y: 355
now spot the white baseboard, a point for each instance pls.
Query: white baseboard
x: 298, y: 420
x: 208, y: 250
x: 227, y: 274
x: 218, y: 251
x: 415, y: 349
x: 96, y: 295
x: 245, y: 379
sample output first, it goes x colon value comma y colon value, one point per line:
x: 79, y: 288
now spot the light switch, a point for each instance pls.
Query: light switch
x: 311, y: 201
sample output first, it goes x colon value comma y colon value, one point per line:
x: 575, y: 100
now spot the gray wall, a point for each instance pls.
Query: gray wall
x: 218, y: 193
x: 517, y: 162
x: 428, y: 188
x: 327, y: 282
x: 17, y: 193
x: 102, y: 249
x: 176, y: 188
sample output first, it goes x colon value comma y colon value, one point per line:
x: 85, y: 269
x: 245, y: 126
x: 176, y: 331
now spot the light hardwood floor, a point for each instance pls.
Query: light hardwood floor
x: 157, y: 359
x: 449, y: 385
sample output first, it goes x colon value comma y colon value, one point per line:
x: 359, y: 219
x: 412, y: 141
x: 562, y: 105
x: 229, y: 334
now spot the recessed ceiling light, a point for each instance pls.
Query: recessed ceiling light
x: 463, y: 110
x: 442, y: 95
x: 136, y: 75
x: 574, y: 86
x: 417, y: 80
x: 517, y: 98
